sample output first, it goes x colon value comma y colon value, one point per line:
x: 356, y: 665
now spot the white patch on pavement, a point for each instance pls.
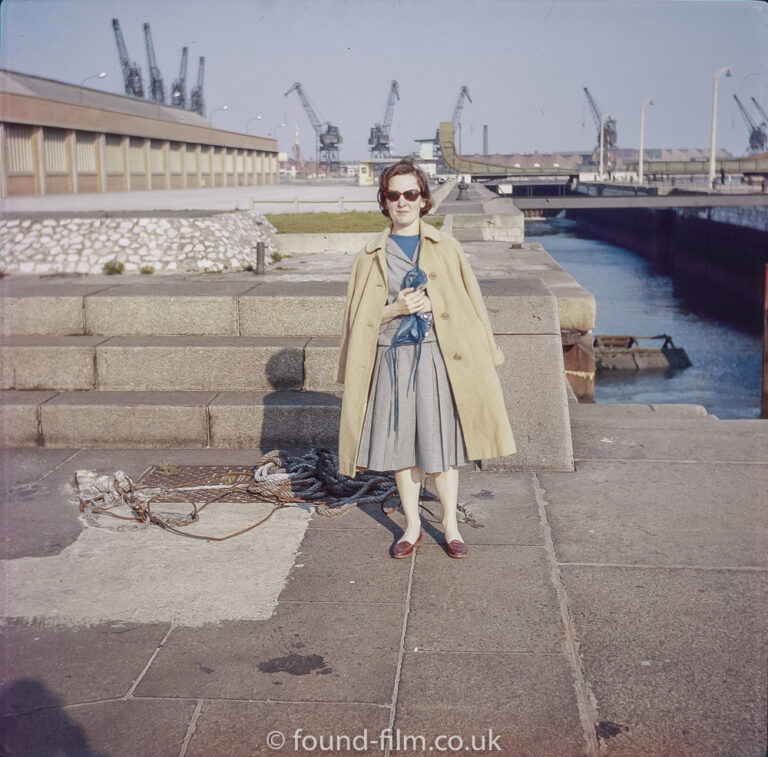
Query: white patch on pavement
x: 150, y: 575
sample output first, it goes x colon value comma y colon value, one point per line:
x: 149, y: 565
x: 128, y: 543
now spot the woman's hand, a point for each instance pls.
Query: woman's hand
x: 408, y: 301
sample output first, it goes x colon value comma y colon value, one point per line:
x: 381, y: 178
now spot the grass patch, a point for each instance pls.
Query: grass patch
x: 335, y: 223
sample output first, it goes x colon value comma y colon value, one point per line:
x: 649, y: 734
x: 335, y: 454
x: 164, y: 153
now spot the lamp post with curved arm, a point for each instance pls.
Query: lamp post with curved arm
x: 223, y: 107
x: 727, y: 71
x: 647, y: 101
x: 250, y: 121
x: 101, y: 75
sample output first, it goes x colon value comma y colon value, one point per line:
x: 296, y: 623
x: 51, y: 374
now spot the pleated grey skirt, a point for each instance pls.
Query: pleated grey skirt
x: 429, y: 431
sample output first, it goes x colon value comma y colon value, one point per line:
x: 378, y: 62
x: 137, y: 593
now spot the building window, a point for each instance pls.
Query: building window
x: 189, y: 159
x: 218, y: 160
x: 86, y: 153
x: 113, y: 154
x: 136, y: 155
x: 55, y: 146
x: 156, y: 163
x: 230, y: 162
x: 205, y: 160
x: 240, y: 162
x: 19, y: 147
x: 174, y: 157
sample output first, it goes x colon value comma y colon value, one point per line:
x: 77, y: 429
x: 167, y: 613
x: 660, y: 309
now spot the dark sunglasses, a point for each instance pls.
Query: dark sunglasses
x: 410, y: 194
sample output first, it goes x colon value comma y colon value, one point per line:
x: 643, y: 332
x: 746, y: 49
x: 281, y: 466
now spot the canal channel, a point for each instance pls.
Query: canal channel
x: 637, y: 296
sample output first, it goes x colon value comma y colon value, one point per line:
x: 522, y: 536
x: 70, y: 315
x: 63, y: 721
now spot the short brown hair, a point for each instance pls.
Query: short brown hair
x: 403, y: 167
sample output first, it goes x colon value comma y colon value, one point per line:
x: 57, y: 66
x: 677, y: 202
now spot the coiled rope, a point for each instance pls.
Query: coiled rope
x: 276, y: 478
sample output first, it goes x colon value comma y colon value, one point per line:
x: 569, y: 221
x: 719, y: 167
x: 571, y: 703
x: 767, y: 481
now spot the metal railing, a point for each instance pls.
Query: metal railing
x: 297, y: 203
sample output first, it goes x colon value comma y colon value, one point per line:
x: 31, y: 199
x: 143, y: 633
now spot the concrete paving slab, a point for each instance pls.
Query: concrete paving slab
x: 126, y: 419
x: 21, y: 466
x: 306, y: 652
x: 19, y: 416
x: 274, y: 419
x: 526, y: 700
x: 533, y: 382
x: 48, y: 362
x: 22, y: 315
x: 105, y: 729
x: 194, y: 363
x: 659, y: 513
x: 291, y: 315
x: 209, y: 582
x: 698, y: 439
x: 320, y: 357
x: 241, y: 729
x: 675, y: 657
x: 508, y: 587
x: 173, y: 314
x: 610, y: 415
x: 53, y: 666
x: 365, y: 573
x: 520, y: 306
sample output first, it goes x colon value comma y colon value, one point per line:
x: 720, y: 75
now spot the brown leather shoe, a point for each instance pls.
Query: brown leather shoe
x: 456, y: 548
x: 401, y: 549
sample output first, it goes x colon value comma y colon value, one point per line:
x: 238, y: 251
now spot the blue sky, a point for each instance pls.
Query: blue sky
x: 525, y: 63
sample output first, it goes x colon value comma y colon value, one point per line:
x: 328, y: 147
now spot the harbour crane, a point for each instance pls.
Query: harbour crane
x: 761, y: 112
x: 196, y: 101
x: 456, y: 118
x: 379, y: 139
x: 757, y: 137
x: 328, y: 135
x: 156, y: 89
x: 179, y: 89
x: 609, y: 129
x: 463, y: 94
x: 131, y: 72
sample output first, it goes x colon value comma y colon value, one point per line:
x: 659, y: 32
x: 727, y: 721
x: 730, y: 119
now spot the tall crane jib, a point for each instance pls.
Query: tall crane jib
x: 757, y: 136
x: 609, y: 129
x: 760, y: 110
x: 381, y: 146
x: 156, y: 89
x: 196, y: 99
x: 179, y: 89
x: 328, y: 135
x: 456, y: 117
x: 131, y: 72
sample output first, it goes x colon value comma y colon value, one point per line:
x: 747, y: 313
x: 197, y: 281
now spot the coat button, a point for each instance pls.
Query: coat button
x: 445, y: 316
x: 457, y: 357
x: 433, y: 275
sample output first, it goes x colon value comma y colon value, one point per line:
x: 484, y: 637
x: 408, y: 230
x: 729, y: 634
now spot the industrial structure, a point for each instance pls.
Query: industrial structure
x: 609, y: 137
x: 134, y: 86
x: 327, y: 135
x: 456, y: 117
x: 179, y: 88
x: 61, y: 138
x: 379, y: 140
x: 757, y: 136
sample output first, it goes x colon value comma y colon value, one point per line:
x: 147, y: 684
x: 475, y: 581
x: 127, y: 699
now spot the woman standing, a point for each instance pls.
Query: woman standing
x: 418, y: 361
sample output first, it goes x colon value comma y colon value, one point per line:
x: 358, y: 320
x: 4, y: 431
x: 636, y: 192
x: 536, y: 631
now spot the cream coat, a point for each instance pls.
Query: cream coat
x: 463, y: 332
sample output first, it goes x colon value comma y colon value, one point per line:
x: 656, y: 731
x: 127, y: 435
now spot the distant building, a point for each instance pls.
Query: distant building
x: 61, y: 138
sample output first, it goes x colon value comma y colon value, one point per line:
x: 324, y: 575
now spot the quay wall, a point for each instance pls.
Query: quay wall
x: 715, y: 259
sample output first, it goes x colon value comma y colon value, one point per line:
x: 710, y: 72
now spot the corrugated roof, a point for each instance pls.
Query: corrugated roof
x: 15, y: 83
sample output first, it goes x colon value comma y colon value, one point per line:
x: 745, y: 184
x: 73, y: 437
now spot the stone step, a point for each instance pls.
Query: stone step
x: 168, y: 363
x: 230, y: 420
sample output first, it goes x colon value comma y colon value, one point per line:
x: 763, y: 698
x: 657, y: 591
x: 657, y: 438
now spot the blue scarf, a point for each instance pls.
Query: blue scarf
x: 412, y: 330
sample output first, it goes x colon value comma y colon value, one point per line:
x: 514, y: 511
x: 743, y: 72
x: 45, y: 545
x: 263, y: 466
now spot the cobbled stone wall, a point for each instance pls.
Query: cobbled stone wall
x: 185, y: 244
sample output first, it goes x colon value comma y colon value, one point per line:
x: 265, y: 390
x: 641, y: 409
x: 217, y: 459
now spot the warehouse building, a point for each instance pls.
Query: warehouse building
x: 61, y: 138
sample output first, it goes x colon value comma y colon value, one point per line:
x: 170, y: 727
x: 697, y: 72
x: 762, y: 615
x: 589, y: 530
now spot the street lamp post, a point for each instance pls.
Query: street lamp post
x: 602, y: 143
x: 647, y: 101
x: 727, y: 71
x: 251, y: 120
x: 223, y: 107
x: 101, y: 75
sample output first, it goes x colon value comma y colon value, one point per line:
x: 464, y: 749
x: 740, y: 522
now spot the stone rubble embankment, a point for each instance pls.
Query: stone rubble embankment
x: 199, y: 244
